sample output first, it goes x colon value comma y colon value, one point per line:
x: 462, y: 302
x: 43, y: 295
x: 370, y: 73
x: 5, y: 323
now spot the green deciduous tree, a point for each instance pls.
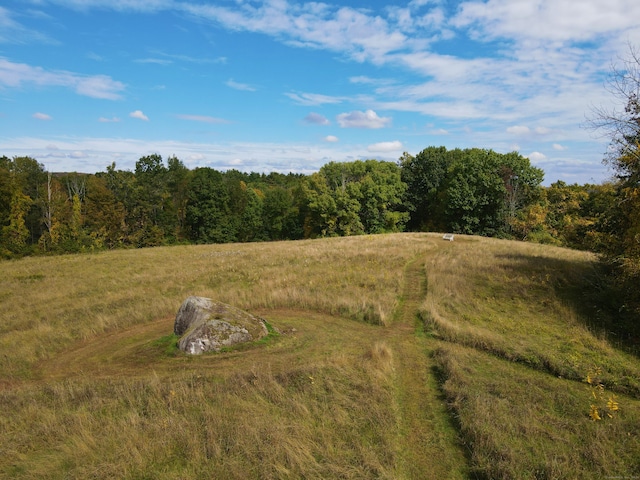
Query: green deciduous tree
x: 105, y: 216
x: 355, y: 197
x: 207, y: 213
x: 281, y: 214
x: 472, y: 191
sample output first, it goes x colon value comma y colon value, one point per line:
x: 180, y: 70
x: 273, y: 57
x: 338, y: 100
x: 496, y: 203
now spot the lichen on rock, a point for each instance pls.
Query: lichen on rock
x: 205, y: 325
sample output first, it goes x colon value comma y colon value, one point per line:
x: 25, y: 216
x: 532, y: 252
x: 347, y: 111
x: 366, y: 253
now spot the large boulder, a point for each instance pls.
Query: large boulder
x: 204, y: 325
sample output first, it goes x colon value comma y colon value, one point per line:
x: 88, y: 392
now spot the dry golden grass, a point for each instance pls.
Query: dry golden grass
x: 355, y: 387
x: 90, y: 390
x: 50, y: 302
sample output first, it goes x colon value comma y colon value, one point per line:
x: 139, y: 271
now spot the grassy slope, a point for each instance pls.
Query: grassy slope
x: 489, y: 385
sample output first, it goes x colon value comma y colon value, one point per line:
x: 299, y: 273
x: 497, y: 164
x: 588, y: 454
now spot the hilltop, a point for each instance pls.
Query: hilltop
x: 391, y: 356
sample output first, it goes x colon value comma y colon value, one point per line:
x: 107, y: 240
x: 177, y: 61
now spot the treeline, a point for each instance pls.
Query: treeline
x: 470, y: 191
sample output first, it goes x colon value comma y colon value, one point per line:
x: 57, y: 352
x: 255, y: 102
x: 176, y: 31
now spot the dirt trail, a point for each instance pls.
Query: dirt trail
x: 428, y: 447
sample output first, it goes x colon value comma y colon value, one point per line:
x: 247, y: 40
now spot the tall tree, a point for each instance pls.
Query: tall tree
x: 622, y: 125
x: 105, y: 215
x: 152, y: 194
x: 177, y: 184
x: 6, y: 187
x: 54, y: 203
x: 208, y: 214
x: 424, y: 175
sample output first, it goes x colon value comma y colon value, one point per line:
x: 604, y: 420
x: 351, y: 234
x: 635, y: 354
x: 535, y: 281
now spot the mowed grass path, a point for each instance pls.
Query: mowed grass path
x: 401, y: 357
x: 95, y: 393
x: 426, y: 439
x: 429, y: 444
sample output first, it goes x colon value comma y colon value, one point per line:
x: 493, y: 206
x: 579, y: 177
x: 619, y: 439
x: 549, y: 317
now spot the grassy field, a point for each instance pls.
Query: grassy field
x: 398, y: 356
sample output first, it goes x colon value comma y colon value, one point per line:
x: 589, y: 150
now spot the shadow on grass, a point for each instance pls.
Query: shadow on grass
x: 591, y: 289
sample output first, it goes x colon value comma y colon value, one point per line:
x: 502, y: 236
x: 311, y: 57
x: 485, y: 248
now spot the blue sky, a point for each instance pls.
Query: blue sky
x: 280, y: 86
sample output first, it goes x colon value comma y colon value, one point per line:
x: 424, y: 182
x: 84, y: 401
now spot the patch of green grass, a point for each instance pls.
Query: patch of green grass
x: 168, y: 345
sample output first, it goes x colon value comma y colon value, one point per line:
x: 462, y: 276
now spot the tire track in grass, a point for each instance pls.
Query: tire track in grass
x: 428, y: 443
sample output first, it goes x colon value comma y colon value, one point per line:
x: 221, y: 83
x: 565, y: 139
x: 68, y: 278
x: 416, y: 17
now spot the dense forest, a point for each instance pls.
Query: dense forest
x: 469, y: 191
x: 461, y: 191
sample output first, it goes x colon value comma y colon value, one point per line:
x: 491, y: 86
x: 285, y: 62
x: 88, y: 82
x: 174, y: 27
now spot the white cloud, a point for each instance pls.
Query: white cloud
x: 41, y: 116
x: 262, y: 157
x: 202, y: 118
x: 557, y: 146
x: 316, y: 119
x: 536, y: 157
x: 108, y: 120
x: 239, y: 86
x: 96, y: 86
x: 554, y: 20
x: 518, y: 130
x: 331, y: 139
x: 139, y: 115
x: 383, y: 147
x: 543, y: 130
x: 311, y: 25
x: 357, y: 119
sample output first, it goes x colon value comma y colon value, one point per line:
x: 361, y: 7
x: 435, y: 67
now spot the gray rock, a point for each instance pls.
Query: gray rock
x: 204, y: 325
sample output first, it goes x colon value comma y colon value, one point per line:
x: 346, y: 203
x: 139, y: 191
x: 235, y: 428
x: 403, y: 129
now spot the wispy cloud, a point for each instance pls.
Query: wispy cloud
x: 108, y: 120
x: 139, y: 115
x: 16, y: 75
x: 155, y: 61
x: 313, y: 99
x: 202, y: 118
x: 11, y: 31
x: 368, y: 119
x: 164, y: 58
x: 41, y: 116
x: 143, y: 6
x: 527, y: 84
x: 331, y: 139
x: 231, y: 83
